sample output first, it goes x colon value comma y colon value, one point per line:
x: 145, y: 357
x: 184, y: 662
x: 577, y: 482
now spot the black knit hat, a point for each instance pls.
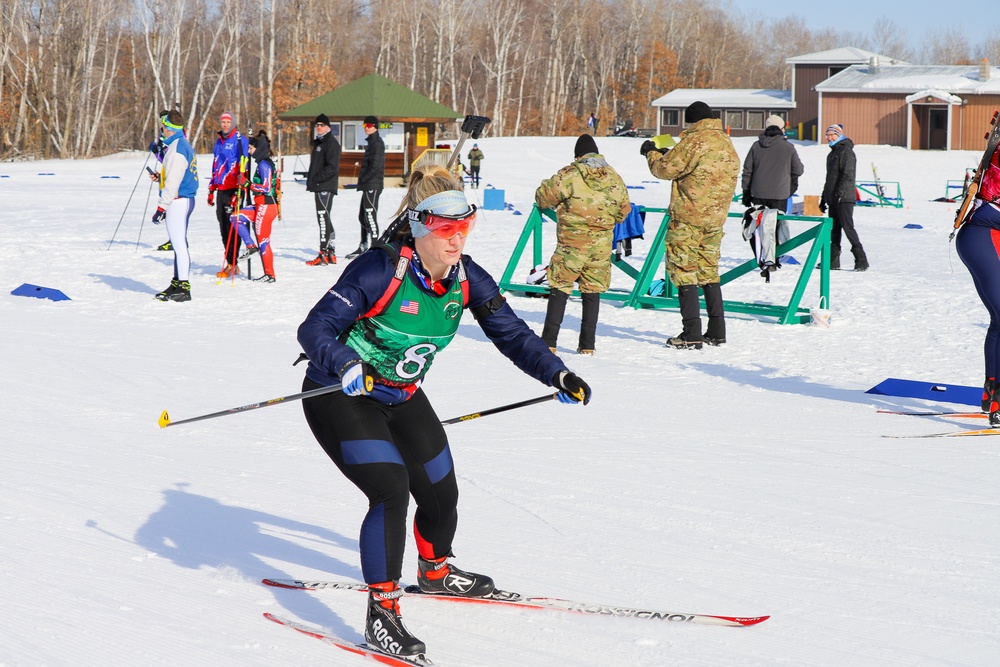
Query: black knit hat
x: 322, y: 118
x: 697, y: 111
x: 371, y: 120
x: 585, y: 144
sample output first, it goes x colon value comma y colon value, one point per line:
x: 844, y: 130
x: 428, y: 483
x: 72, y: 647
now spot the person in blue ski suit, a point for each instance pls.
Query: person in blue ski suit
x: 223, y: 188
x: 376, y: 333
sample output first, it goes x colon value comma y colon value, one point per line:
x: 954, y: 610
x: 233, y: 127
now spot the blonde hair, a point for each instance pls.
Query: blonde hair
x: 425, y: 181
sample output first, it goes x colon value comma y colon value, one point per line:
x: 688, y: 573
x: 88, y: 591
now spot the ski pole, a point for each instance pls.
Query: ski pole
x: 132, y: 194
x: 143, y: 220
x: 164, y: 420
x: 502, y: 408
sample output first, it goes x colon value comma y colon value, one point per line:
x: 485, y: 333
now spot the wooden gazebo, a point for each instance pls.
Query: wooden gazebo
x: 407, y: 121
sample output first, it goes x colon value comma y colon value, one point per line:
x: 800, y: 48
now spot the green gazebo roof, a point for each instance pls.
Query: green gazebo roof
x: 372, y: 95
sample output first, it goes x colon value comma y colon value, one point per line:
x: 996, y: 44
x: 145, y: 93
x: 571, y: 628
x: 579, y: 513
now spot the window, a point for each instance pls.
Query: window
x: 755, y: 120
x: 783, y: 115
x: 670, y: 117
x: 734, y: 119
x: 355, y: 138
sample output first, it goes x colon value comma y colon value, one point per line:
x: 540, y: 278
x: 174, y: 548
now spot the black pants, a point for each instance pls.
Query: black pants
x: 224, y: 209
x: 776, y: 204
x: 390, y: 453
x: 327, y: 237
x: 843, y: 220
x: 474, y: 175
x: 368, y: 216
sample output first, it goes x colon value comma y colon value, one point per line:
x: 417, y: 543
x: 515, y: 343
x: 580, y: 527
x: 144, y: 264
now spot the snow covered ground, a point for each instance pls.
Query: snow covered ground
x: 741, y: 480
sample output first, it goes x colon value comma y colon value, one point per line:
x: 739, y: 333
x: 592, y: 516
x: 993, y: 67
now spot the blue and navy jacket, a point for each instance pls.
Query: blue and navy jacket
x: 179, y: 174
x: 226, y: 163
x: 365, y: 281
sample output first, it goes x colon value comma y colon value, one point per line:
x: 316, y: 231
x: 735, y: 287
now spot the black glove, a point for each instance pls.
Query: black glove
x: 795, y: 185
x: 647, y: 145
x: 746, y: 199
x: 159, y: 216
x: 822, y: 207
x: 573, y: 389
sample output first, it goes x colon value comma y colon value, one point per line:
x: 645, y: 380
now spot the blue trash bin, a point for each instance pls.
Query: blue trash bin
x: 493, y: 200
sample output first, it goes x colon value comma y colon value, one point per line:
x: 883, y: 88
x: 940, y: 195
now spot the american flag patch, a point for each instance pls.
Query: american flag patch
x: 411, y: 307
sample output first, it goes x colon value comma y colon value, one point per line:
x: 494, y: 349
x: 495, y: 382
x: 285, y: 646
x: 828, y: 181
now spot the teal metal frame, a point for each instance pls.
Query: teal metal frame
x: 639, y: 297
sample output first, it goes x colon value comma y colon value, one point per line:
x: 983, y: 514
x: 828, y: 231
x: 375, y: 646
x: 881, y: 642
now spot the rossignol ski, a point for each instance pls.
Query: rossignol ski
x: 351, y: 647
x: 992, y: 140
x: 510, y: 599
x: 952, y: 434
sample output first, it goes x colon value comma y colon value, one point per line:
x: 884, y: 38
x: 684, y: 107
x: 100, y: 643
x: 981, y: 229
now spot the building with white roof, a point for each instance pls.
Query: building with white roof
x: 742, y: 110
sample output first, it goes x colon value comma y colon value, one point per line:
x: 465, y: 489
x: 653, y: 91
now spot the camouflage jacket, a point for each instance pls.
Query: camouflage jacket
x: 704, y: 168
x: 588, y: 196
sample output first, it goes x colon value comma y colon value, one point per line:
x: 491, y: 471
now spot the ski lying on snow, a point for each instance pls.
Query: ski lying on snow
x: 510, y: 599
x: 359, y: 649
x: 962, y: 415
x: 952, y: 434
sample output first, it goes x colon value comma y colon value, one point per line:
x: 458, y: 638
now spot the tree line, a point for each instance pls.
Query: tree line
x: 81, y: 78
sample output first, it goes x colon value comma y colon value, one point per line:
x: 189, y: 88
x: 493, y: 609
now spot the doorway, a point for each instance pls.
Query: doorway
x: 937, y: 128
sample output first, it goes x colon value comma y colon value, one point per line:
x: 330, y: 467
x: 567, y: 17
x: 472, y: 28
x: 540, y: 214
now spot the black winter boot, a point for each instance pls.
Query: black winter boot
x: 554, y: 316
x: 835, y: 258
x: 588, y: 327
x: 715, y: 334
x: 989, y: 396
x: 691, y: 337
x: 860, y: 259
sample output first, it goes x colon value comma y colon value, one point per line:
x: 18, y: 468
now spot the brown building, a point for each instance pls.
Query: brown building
x: 742, y: 111
x: 812, y: 69
x: 916, y: 106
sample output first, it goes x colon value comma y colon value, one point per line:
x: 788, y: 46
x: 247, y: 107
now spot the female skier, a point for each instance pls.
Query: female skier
x: 263, y: 185
x: 376, y: 332
x: 978, y: 245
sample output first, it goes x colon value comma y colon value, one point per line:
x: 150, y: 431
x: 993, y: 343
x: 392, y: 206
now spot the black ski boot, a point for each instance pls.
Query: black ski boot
x: 165, y: 246
x: 438, y: 576
x: 179, y: 290
x: 266, y: 278
x: 384, y: 629
x: 357, y: 253
x: 989, y: 396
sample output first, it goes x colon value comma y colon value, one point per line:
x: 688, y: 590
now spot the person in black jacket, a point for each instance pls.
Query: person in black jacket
x: 322, y: 180
x: 371, y: 179
x: 771, y: 169
x: 840, y: 194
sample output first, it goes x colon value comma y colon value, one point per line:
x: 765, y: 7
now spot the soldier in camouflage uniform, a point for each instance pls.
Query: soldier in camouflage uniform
x: 704, y: 168
x: 589, y: 198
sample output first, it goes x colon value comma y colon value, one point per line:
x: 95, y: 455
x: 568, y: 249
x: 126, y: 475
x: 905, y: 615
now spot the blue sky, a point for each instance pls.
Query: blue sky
x: 915, y: 16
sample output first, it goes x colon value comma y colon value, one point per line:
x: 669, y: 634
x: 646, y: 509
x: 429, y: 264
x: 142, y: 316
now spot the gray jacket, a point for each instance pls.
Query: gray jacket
x: 772, y: 168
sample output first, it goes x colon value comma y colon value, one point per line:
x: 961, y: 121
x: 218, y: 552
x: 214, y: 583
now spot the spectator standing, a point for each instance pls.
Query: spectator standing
x: 589, y: 198
x: 704, y: 168
x: 263, y: 189
x: 772, y: 168
x: 178, y: 188
x: 592, y: 123
x: 377, y: 333
x: 228, y: 167
x: 322, y: 180
x: 371, y: 180
x: 840, y: 194
x: 475, y: 160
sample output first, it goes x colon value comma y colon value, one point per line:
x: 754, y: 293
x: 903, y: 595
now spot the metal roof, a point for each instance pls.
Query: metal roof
x: 911, y: 79
x: 731, y: 97
x: 845, y: 55
x: 372, y: 95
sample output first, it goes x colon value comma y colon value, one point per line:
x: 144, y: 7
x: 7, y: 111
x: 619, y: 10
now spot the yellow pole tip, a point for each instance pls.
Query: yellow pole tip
x: 164, y: 420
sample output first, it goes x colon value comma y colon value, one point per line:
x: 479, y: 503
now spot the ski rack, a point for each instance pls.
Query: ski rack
x: 886, y: 198
x: 639, y: 297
